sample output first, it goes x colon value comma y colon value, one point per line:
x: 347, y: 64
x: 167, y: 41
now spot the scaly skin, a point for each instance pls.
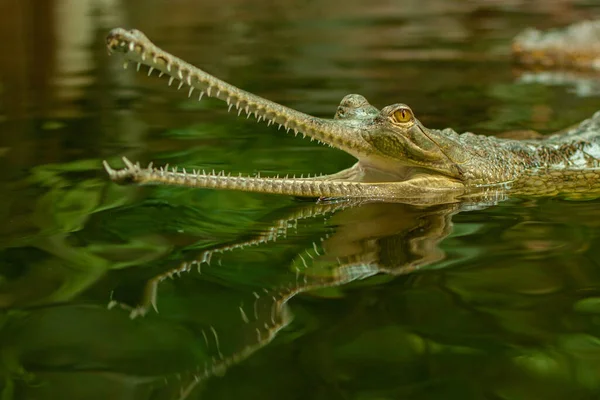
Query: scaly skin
x: 399, y: 159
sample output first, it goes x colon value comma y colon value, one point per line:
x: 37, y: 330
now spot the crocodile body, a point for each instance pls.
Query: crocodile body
x: 574, y: 47
x: 399, y: 159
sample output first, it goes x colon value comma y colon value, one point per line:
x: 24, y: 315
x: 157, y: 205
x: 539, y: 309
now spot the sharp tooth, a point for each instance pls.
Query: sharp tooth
x: 171, y: 80
x: 218, y: 93
x: 247, y: 115
x: 169, y: 67
x: 229, y: 108
x: 269, y: 122
x: 138, y: 66
x: 161, y: 74
x: 247, y: 109
x: 180, y: 85
x: 143, y: 56
x: 150, y: 71
x: 200, y: 96
x: 127, y: 163
x: 259, y: 118
x: 189, y: 80
x: 180, y: 74
x: 208, y: 91
x: 190, y: 92
x: 239, y: 111
x: 125, y: 64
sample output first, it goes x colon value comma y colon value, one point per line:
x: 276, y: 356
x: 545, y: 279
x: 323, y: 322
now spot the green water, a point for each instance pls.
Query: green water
x: 293, y: 299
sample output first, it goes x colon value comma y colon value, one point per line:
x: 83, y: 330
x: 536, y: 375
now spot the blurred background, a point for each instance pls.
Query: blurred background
x: 57, y: 79
x: 505, y: 308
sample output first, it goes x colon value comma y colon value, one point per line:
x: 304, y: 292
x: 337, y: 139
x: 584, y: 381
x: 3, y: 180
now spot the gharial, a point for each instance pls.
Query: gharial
x: 399, y: 159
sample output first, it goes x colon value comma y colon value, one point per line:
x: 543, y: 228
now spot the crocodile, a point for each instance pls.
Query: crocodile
x: 574, y: 47
x: 399, y: 159
x: 567, y: 56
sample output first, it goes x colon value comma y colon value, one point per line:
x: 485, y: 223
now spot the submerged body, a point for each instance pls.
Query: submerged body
x: 399, y: 159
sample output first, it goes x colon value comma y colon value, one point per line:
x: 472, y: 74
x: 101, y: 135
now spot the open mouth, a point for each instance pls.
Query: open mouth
x: 341, y: 134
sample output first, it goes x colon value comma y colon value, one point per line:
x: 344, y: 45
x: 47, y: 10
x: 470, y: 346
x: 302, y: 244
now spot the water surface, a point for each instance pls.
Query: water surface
x: 282, y: 298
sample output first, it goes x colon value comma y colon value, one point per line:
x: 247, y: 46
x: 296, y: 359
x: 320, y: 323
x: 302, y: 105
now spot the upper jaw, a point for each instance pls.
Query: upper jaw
x: 340, y: 134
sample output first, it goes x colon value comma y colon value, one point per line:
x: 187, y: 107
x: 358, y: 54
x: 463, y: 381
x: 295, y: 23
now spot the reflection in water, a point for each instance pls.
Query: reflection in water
x: 226, y: 313
x: 361, y: 240
x: 581, y: 83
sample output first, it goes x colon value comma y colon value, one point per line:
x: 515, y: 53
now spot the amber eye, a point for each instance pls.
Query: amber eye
x: 403, y: 115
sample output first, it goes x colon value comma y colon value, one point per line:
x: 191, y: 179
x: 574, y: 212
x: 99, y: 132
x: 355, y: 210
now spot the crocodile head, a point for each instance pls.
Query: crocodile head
x: 391, y: 144
x: 394, y: 143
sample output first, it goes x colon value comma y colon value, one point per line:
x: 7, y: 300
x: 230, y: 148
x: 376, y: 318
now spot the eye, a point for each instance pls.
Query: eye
x: 403, y: 115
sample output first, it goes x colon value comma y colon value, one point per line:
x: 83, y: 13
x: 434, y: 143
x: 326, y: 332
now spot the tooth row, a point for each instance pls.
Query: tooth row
x: 163, y: 171
x: 160, y: 62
